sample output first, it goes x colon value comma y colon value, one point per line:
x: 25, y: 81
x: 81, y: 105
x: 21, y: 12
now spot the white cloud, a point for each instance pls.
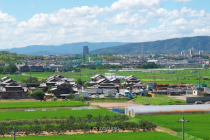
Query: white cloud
x: 180, y: 21
x: 5, y: 18
x: 124, y: 20
x: 183, y: 0
x: 130, y: 5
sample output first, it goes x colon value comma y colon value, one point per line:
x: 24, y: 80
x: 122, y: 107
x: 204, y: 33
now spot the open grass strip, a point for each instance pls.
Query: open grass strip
x: 102, y: 136
x: 41, y: 104
x: 53, y: 114
x: 197, y: 126
x: 159, y: 100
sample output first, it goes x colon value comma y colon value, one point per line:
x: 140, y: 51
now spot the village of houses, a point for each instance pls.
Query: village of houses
x: 101, y: 86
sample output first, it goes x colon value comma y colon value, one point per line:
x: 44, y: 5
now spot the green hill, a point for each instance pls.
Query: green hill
x: 175, y: 45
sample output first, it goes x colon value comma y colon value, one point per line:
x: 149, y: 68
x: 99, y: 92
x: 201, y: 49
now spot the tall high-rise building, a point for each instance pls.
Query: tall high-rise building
x: 201, y: 52
x: 85, y: 50
x: 192, y: 51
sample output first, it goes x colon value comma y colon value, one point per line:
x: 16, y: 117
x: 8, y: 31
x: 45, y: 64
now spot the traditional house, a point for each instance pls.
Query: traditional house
x: 97, y: 77
x: 115, y: 81
x: 131, y: 80
x: 60, y: 85
x: 11, y: 89
x: 139, y: 85
x: 36, y: 68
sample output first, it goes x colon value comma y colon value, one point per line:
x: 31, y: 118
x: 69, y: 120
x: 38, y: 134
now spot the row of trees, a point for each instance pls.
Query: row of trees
x: 62, y: 127
x: 148, y: 65
x: 71, y: 119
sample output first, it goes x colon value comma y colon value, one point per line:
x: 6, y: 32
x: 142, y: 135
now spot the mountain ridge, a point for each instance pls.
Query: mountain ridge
x: 174, y: 45
x: 71, y: 48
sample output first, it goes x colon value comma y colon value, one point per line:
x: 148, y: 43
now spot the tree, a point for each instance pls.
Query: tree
x: 79, y: 81
x: 49, y: 88
x: 71, y: 96
x: 38, y: 93
x: 10, y: 69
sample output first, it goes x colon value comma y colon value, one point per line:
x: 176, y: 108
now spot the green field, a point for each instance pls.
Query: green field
x: 198, y: 124
x: 41, y: 104
x: 52, y: 114
x: 158, y: 100
x: 111, y: 136
x: 162, y: 77
x: 13, y: 76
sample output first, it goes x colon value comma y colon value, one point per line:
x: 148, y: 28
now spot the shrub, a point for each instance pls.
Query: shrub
x: 54, y: 99
x: 38, y: 93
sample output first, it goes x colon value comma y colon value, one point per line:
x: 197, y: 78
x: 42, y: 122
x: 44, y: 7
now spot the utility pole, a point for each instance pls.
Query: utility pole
x: 14, y: 132
x: 80, y: 70
x: 30, y: 78
x: 183, y: 120
x: 199, y: 78
x: 154, y: 75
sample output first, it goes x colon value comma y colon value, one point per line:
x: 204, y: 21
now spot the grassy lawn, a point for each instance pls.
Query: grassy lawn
x: 198, y: 124
x: 41, y: 104
x: 158, y: 100
x: 13, y: 76
x: 53, y: 114
x: 111, y: 136
x: 162, y: 77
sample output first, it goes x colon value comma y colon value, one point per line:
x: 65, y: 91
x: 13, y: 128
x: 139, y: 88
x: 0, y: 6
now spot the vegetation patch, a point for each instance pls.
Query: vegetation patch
x: 197, y: 126
x: 53, y: 114
x: 41, y: 104
x: 105, y: 136
x: 158, y: 100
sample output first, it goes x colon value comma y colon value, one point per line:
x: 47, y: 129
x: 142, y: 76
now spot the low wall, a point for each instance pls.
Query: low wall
x: 193, y: 99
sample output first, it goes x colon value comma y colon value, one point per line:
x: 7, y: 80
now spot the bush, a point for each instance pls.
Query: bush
x: 54, y: 99
x: 205, y: 78
x: 38, y: 93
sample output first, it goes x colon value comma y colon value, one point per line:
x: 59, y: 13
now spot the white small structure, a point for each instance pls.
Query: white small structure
x: 154, y: 61
x: 166, y: 109
x: 76, y: 95
x: 196, y: 91
x: 84, y: 94
x: 109, y: 92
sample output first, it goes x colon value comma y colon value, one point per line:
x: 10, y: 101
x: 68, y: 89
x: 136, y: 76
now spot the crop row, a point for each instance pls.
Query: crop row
x: 85, y: 127
x: 71, y: 119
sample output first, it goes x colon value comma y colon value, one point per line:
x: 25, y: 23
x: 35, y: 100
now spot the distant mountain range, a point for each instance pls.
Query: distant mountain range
x: 175, y: 45
x: 73, y: 48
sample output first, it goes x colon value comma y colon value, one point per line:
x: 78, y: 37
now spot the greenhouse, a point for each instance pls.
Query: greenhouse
x: 166, y: 109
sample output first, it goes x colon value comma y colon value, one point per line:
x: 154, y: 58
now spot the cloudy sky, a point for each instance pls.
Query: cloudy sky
x: 55, y: 22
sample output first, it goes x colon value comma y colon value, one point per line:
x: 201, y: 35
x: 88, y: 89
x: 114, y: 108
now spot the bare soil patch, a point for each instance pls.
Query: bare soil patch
x: 115, y: 104
x: 162, y: 129
x: 19, y: 100
x: 182, y: 97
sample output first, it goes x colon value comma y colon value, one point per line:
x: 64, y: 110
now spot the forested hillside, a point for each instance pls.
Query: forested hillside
x: 175, y: 45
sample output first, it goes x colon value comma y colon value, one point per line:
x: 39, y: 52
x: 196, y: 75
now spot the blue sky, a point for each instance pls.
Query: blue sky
x: 55, y: 22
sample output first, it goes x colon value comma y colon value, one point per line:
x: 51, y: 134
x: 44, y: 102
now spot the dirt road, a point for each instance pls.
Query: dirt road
x: 115, y: 104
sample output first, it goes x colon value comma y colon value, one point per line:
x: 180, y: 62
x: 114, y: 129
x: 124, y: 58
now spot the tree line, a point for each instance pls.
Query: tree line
x: 60, y: 126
